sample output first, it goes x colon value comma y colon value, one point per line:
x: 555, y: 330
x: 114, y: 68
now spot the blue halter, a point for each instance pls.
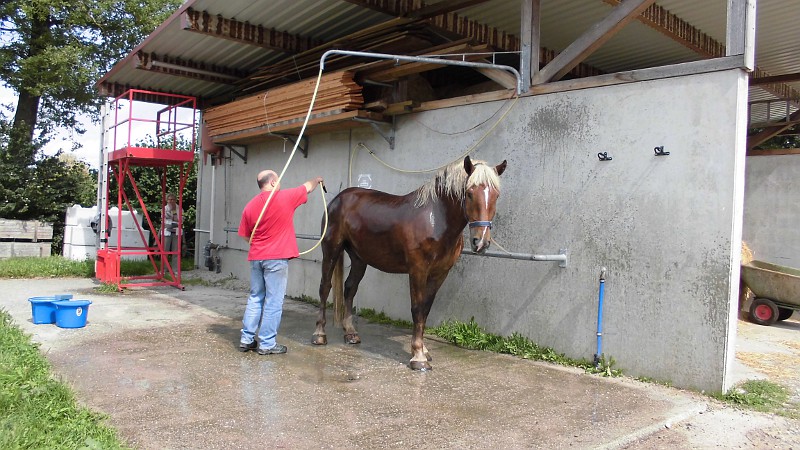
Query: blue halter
x: 480, y: 223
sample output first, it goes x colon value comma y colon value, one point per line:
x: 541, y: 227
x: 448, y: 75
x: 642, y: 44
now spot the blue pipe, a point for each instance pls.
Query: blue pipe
x: 600, y: 318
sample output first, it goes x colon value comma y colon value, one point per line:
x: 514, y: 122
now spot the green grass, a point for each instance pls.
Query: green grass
x: 761, y: 395
x: 471, y: 335
x: 50, y: 267
x: 382, y: 318
x: 37, y: 411
x: 60, y: 267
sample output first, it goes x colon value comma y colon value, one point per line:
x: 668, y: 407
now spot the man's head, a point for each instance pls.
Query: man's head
x: 170, y: 198
x: 267, y: 180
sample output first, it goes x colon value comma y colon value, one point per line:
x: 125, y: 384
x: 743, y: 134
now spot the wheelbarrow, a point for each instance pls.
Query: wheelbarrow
x: 776, y: 289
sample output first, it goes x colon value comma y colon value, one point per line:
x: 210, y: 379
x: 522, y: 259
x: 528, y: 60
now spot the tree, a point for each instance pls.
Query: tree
x: 52, y: 53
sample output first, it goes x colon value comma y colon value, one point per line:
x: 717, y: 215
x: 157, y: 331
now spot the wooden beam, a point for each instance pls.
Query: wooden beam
x: 187, y: 69
x: 773, y: 152
x: 530, y: 30
x: 390, y: 70
x: 416, y: 9
x: 501, y: 77
x: 632, y: 76
x: 741, y: 31
x: 785, y: 78
x: 443, y: 7
x: 591, y: 40
x: 684, y: 33
x: 768, y: 133
x: 245, y: 33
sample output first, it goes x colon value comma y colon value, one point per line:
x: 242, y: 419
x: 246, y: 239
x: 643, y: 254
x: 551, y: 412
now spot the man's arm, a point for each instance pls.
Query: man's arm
x: 312, y: 184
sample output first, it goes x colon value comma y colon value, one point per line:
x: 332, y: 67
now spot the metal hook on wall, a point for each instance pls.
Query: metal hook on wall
x: 603, y: 156
x: 660, y: 151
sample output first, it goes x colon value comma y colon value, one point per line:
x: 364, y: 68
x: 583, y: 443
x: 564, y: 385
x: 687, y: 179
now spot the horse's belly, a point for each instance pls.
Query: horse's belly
x: 385, y: 259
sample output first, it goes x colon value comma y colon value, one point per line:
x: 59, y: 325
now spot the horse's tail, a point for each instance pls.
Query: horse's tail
x: 338, y: 290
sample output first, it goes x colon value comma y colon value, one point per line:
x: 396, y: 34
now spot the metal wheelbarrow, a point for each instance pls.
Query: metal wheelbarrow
x: 776, y: 289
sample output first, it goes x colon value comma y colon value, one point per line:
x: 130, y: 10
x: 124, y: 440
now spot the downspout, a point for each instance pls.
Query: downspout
x: 600, y: 318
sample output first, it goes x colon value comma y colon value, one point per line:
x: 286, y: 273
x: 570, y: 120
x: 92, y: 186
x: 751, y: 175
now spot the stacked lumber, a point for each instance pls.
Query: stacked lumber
x: 337, y: 92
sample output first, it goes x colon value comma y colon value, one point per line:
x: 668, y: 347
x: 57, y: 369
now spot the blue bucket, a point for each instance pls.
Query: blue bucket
x: 43, y: 309
x: 72, y: 313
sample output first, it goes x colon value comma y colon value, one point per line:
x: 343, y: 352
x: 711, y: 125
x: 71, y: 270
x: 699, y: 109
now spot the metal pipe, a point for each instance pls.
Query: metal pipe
x: 600, y: 318
x: 428, y: 60
x: 562, y: 256
x: 213, y: 199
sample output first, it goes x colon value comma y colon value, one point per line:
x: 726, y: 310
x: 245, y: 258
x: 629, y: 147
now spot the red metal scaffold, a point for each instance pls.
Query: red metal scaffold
x: 118, y: 164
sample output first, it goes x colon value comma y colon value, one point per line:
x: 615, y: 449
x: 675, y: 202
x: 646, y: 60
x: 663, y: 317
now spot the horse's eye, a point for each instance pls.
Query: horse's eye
x: 469, y: 195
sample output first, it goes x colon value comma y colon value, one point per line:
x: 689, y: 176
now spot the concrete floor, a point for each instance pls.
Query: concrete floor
x: 163, y: 364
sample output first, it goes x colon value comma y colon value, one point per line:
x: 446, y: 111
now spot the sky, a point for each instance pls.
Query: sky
x: 89, y: 153
x: 143, y: 128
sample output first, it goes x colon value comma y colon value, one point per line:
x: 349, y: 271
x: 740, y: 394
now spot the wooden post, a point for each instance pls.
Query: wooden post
x: 530, y: 28
x: 741, y: 32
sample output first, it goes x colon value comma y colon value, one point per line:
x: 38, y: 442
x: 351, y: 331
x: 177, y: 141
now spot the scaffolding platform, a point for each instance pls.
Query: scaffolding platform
x: 154, y: 138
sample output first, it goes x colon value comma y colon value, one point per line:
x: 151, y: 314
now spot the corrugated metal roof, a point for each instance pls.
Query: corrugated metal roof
x: 636, y: 46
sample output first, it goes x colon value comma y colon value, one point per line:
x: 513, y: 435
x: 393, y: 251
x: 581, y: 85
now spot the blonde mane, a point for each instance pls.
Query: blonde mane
x: 452, y: 181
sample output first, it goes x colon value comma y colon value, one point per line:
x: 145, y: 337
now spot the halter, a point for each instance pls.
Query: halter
x: 480, y: 223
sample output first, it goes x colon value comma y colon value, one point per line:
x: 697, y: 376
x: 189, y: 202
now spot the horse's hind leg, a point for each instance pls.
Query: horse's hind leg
x: 357, y: 269
x: 330, y: 261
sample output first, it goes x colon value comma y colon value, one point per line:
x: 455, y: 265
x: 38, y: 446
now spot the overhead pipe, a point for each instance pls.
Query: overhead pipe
x: 429, y: 60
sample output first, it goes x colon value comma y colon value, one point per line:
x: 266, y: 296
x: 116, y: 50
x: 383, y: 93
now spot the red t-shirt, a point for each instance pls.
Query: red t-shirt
x: 275, y: 237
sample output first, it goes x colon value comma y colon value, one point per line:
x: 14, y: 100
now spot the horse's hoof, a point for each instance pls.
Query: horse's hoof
x: 428, y: 355
x: 422, y: 366
x: 319, y: 339
x: 352, y: 338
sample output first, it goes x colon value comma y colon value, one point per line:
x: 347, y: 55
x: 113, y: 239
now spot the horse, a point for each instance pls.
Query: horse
x: 419, y: 234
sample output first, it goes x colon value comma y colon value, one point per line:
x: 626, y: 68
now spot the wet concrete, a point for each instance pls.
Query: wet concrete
x: 163, y: 365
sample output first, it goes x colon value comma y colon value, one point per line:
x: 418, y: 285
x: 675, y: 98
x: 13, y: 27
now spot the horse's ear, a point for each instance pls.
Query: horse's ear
x: 500, y: 168
x: 468, y: 165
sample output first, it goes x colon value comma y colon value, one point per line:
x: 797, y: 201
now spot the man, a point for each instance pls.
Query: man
x: 172, y: 232
x: 273, y: 245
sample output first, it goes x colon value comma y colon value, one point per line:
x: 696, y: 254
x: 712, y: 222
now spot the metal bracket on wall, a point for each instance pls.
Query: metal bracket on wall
x: 303, y: 147
x: 235, y: 149
x: 375, y: 126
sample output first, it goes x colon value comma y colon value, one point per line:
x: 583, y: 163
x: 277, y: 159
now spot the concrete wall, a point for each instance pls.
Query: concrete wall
x: 772, y: 208
x: 668, y: 228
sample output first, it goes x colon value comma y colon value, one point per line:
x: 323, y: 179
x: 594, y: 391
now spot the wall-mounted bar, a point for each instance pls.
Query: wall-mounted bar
x: 561, y: 257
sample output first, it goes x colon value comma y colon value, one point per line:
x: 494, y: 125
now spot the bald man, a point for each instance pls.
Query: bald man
x: 273, y: 245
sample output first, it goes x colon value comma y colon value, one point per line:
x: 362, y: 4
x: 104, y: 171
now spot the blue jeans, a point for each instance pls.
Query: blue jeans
x: 268, y: 279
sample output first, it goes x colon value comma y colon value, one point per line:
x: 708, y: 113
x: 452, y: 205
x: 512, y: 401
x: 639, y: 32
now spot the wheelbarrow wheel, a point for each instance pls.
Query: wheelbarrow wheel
x: 784, y: 313
x: 763, y: 311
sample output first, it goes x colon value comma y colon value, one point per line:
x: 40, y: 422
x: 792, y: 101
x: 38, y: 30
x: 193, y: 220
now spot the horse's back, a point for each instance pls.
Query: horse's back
x: 377, y: 226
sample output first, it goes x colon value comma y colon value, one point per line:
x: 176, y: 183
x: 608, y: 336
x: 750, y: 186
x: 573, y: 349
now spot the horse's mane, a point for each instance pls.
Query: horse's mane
x: 452, y: 181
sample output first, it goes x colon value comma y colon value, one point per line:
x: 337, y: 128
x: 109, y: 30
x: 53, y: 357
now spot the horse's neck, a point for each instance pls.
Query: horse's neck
x: 453, y: 211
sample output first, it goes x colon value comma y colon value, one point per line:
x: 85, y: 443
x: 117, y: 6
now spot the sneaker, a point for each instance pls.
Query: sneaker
x: 278, y: 349
x: 245, y: 347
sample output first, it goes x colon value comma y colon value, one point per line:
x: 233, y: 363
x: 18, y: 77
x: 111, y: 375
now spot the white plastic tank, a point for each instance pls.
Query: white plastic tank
x: 81, y: 240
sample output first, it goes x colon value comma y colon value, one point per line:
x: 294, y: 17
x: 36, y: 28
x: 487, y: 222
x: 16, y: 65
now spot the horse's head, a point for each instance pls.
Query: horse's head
x: 482, y: 191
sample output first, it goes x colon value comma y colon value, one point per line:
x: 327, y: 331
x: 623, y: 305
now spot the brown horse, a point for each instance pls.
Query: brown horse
x: 419, y: 233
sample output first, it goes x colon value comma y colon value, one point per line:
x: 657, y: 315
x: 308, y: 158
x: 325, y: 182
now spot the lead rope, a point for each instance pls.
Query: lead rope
x: 291, y: 155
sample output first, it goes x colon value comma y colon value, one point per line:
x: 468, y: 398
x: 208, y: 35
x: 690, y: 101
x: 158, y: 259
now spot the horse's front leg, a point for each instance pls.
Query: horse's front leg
x: 423, y: 292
